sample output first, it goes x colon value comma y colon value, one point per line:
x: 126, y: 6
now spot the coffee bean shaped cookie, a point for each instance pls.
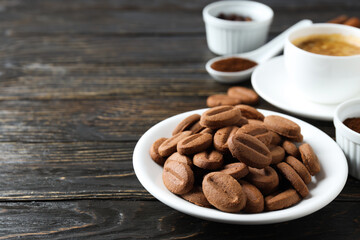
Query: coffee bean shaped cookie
x: 309, y: 158
x: 282, y: 126
x: 300, y: 168
x: 221, y: 137
x: 246, y: 95
x: 293, y: 177
x: 250, y: 112
x: 224, y: 192
x: 254, y: 198
x: 207, y: 130
x: 180, y: 158
x: 208, y: 160
x: 196, y: 127
x: 249, y: 150
x: 186, y: 123
x: 197, y: 197
x: 290, y: 148
x: 194, y: 143
x: 220, y: 100
x: 219, y: 117
x: 282, y: 200
x: 275, y: 139
x: 266, y: 179
x: 242, y: 121
x: 236, y: 170
x: 258, y: 131
x: 168, y: 147
x: 277, y: 154
x: 154, y: 153
x: 178, y: 177
x: 255, y: 121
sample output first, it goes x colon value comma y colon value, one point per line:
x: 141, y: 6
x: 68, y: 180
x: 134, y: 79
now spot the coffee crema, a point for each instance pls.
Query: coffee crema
x: 329, y: 44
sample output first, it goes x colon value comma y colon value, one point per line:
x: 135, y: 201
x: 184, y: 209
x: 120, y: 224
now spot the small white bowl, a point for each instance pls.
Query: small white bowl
x: 230, y: 37
x: 348, y: 139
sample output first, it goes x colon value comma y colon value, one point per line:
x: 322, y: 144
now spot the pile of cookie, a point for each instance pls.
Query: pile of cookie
x: 235, y: 159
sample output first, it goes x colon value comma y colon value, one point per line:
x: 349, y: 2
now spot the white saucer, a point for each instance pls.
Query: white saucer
x: 325, y: 186
x: 270, y: 82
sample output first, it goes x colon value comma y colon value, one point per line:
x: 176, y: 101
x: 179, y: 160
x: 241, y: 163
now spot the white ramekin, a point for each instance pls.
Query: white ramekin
x: 348, y: 139
x: 321, y: 78
x: 229, y: 37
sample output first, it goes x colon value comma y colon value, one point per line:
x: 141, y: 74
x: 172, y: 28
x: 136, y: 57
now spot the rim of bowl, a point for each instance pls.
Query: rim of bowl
x: 322, y: 25
x: 208, y: 18
x: 351, y: 134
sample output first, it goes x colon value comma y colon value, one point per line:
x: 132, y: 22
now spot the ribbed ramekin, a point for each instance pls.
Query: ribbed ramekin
x: 229, y: 37
x: 348, y: 139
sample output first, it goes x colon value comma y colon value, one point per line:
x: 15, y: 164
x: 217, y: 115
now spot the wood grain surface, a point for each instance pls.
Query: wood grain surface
x: 82, y: 80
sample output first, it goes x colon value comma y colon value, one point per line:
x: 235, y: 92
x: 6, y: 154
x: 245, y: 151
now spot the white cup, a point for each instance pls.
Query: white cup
x: 322, y: 78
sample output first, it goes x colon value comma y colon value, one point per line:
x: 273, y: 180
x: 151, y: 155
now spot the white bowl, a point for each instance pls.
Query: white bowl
x: 321, y: 78
x: 324, y: 187
x: 230, y: 37
x: 348, y: 139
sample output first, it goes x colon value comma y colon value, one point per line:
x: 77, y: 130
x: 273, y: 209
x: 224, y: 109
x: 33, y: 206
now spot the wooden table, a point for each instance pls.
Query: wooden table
x: 82, y: 80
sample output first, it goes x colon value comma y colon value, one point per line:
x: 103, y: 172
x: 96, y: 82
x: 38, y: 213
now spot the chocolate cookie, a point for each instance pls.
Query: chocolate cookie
x: 300, y: 168
x: 186, y: 123
x: 236, y: 170
x: 219, y: 117
x: 223, y: 192
x: 250, y: 150
x: 296, y: 181
x: 250, y: 112
x: 258, y: 131
x: 282, y: 200
x: 168, y: 147
x: 208, y: 160
x: 180, y: 158
x: 221, y: 137
x: 254, y: 198
x: 266, y: 179
x: 290, y: 148
x: 277, y: 154
x: 194, y: 143
x: 282, y: 126
x: 220, y: 100
x: 246, y: 95
x: 197, y: 197
x: 309, y: 158
x: 178, y: 177
x: 154, y: 153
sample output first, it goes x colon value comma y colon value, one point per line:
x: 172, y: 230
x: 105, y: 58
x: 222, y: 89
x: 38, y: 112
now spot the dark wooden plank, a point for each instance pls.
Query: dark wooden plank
x: 141, y: 17
x: 68, y: 171
x: 84, y: 170
x: 99, y: 120
x: 153, y: 220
